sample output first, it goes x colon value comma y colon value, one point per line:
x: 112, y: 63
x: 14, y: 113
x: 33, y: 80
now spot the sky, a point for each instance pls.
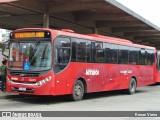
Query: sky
x: 148, y: 9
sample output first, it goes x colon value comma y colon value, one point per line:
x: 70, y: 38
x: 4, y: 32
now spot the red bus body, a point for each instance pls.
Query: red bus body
x: 96, y: 76
x: 158, y: 67
x: 158, y: 76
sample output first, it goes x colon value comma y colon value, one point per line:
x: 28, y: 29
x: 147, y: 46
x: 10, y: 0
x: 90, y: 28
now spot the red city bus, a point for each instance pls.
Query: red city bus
x: 61, y: 62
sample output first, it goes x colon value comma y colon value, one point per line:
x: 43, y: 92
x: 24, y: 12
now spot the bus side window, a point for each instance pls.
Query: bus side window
x: 133, y: 56
x: 111, y: 53
x: 143, y: 57
x: 99, y: 52
x: 150, y: 57
x: 93, y: 52
x: 123, y: 55
x: 62, y: 53
x: 80, y: 50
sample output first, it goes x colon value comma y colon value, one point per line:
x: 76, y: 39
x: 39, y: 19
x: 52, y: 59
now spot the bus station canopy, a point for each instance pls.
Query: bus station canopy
x: 106, y: 17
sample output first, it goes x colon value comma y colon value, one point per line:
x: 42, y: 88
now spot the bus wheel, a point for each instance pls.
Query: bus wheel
x: 132, y: 86
x: 78, y: 91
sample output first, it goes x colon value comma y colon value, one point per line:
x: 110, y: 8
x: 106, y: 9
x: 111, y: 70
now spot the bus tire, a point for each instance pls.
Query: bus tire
x: 132, y: 86
x: 78, y: 91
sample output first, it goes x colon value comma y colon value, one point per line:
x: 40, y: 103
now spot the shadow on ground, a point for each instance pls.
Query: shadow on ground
x: 156, y: 84
x: 61, y: 99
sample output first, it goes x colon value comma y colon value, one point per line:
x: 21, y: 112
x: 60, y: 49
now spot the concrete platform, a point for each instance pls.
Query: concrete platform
x: 4, y: 94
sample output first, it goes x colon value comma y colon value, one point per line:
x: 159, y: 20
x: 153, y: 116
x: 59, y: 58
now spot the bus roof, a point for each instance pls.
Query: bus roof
x: 95, y: 37
x: 101, y: 38
x: 111, y: 38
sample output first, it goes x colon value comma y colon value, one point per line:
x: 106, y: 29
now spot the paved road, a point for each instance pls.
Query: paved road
x: 146, y: 99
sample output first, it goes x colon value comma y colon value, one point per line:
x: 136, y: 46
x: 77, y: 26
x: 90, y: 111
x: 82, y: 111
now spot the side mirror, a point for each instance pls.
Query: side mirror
x: 5, y: 49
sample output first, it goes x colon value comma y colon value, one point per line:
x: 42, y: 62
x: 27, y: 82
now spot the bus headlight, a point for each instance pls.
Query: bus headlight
x: 41, y: 82
x: 9, y: 81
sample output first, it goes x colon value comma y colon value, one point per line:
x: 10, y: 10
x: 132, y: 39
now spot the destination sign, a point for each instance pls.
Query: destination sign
x: 30, y: 34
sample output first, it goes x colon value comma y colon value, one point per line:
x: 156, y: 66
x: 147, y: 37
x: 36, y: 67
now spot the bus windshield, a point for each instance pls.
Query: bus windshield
x: 32, y: 56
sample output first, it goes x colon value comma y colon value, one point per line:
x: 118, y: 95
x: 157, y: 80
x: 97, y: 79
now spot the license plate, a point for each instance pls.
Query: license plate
x: 22, y: 88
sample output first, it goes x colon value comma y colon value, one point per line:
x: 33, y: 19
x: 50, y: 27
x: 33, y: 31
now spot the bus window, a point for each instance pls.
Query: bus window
x: 142, y: 57
x: 81, y: 50
x: 150, y: 57
x: 99, y: 52
x: 88, y: 48
x: 123, y: 55
x: 81, y: 53
x: 111, y: 53
x: 62, y: 50
x: 133, y: 55
x: 63, y: 55
x: 37, y: 54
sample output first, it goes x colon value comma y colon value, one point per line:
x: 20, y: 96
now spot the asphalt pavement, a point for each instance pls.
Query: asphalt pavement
x: 146, y: 99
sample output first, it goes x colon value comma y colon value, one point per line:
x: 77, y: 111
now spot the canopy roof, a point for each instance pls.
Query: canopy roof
x: 106, y: 17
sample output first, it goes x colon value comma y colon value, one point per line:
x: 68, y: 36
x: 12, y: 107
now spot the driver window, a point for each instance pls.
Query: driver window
x: 62, y: 53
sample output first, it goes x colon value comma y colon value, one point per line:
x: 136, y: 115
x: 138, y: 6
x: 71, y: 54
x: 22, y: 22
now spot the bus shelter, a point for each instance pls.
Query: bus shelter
x: 106, y: 17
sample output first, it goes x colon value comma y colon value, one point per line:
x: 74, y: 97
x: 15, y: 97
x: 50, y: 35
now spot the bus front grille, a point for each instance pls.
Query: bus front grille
x: 24, y: 74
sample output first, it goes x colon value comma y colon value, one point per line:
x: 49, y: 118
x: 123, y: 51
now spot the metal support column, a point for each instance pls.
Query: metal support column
x: 95, y: 30
x: 46, y: 20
